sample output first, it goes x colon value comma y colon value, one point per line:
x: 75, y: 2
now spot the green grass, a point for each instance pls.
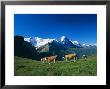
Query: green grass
x: 28, y: 67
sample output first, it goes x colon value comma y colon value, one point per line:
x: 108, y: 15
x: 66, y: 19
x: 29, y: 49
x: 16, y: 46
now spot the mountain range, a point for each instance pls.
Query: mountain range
x: 36, y: 48
x: 63, y: 42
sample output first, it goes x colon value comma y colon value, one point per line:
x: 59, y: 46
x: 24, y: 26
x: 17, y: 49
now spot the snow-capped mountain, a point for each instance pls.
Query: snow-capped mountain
x: 38, y: 42
x: 68, y: 43
x: 36, y: 48
x: 63, y: 41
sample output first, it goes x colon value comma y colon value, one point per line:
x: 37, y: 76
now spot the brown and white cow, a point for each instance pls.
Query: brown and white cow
x: 70, y: 57
x: 51, y: 58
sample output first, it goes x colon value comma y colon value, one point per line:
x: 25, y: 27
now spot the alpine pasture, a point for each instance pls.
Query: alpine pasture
x: 82, y: 67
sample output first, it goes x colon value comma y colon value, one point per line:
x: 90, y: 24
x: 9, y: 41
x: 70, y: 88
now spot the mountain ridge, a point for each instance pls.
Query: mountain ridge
x: 39, y: 42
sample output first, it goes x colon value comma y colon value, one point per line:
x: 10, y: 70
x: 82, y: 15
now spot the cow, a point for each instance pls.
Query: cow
x: 71, y: 56
x: 51, y: 58
x: 84, y: 56
x: 43, y: 59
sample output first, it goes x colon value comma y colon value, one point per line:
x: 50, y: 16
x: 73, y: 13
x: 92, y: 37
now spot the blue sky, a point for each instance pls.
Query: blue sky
x: 80, y: 27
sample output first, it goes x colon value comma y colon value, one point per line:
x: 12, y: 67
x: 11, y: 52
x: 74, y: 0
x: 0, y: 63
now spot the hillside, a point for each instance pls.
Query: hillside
x: 28, y: 67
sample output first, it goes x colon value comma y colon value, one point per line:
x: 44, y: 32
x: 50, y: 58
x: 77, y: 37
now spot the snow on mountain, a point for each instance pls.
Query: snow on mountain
x: 62, y: 38
x: 76, y: 43
x: 89, y: 45
x: 38, y: 42
x: 83, y: 44
x: 64, y: 41
x: 67, y: 42
x: 27, y: 39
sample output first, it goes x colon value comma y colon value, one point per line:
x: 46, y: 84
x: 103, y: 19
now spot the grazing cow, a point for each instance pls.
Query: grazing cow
x: 51, y: 58
x: 84, y: 56
x: 43, y: 59
x: 71, y: 56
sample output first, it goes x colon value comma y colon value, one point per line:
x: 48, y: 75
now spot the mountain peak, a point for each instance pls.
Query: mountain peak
x: 63, y: 38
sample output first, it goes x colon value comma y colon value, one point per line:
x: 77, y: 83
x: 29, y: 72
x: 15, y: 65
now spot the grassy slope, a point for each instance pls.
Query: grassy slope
x: 28, y: 67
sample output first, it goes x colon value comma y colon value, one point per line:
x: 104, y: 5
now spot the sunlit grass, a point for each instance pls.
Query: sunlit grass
x: 28, y: 67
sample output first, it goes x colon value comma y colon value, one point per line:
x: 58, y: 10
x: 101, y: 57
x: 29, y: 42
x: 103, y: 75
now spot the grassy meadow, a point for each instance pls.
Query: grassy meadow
x: 28, y: 67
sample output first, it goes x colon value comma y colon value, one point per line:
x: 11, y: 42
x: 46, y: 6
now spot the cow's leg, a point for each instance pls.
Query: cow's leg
x: 85, y: 58
x: 66, y: 59
x: 48, y: 61
x: 42, y: 60
x: 54, y: 60
x: 74, y: 59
